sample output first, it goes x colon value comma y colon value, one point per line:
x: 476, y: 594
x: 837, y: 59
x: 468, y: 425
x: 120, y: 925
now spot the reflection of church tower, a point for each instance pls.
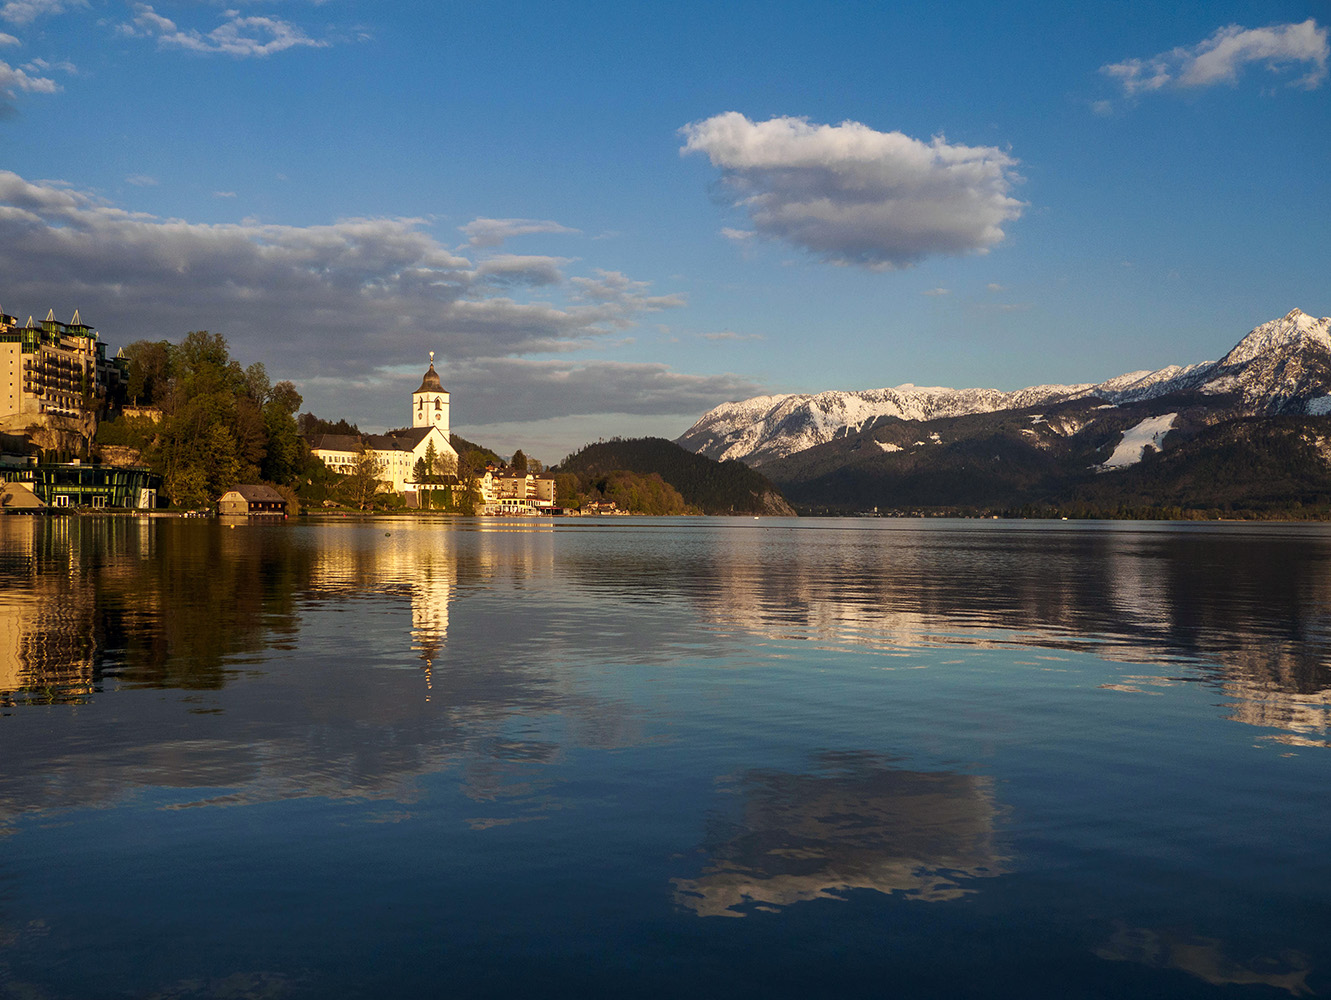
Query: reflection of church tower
x: 430, y: 402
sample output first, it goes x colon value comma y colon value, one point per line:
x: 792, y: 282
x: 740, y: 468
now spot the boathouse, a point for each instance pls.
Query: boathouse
x: 253, y: 501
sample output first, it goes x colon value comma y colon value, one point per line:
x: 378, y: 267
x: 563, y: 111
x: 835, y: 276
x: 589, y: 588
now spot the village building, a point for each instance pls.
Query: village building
x: 398, y: 453
x: 506, y: 492
x: 252, y: 501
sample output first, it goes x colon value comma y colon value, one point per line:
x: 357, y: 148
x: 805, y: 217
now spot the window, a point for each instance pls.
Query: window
x: 62, y: 500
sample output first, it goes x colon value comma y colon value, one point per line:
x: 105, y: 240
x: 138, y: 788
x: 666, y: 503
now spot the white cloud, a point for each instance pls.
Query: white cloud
x: 355, y: 303
x: 852, y: 195
x: 937, y: 292
x: 27, y: 11
x: 493, y: 232
x: 13, y: 81
x: 241, y: 37
x: 43, y: 66
x: 1221, y: 57
x: 738, y: 235
x: 142, y: 180
x: 731, y: 335
x: 224, y: 194
x: 994, y: 286
x: 8, y: 39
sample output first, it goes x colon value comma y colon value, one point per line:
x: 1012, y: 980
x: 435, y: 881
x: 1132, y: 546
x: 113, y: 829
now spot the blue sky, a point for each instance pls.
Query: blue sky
x: 606, y: 218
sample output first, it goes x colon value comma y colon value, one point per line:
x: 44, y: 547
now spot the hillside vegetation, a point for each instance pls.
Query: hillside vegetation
x: 703, y: 485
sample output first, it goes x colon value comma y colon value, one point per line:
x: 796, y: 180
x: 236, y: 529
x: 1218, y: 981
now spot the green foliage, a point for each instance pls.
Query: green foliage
x: 150, y: 364
x: 129, y: 432
x: 519, y: 461
x: 311, y: 426
x: 703, y: 484
x: 470, y: 500
x: 222, y: 424
x: 641, y: 493
x: 472, y: 456
x: 360, y: 488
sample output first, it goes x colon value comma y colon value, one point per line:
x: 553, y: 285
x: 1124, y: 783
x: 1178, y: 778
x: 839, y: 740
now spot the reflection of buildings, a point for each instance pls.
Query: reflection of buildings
x: 48, y: 649
x: 1206, y: 959
x: 856, y: 823
x: 1305, y: 719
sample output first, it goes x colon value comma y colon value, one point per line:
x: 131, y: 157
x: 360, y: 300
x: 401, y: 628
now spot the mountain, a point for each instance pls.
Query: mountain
x: 1281, y: 367
x: 710, y: 486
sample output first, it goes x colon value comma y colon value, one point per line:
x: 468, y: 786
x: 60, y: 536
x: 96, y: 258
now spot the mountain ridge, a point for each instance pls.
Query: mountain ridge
x: 1280, y: 367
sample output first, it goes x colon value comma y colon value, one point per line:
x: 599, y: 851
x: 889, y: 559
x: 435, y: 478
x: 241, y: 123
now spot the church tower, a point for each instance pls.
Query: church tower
x: 430, y: 402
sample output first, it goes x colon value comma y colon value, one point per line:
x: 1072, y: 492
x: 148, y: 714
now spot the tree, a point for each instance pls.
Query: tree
x: 361, y: 485
x: 519, y: 462
x: 149, y: 371
x: 431, y: 460
x: 471, y: 500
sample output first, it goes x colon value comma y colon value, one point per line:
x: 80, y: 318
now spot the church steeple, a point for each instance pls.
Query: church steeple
x: 430, y: 402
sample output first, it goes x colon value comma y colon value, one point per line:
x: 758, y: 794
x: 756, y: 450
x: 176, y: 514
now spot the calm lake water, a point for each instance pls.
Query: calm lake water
x: 657, y: 757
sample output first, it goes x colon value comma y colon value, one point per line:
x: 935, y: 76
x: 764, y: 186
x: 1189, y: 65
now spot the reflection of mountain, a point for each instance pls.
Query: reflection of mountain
x: 1248, y: 606
x: 1206, y: 959
x: 855, y: 822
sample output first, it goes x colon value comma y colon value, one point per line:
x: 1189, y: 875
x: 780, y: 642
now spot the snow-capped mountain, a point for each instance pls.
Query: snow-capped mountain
x: 1283, y: 366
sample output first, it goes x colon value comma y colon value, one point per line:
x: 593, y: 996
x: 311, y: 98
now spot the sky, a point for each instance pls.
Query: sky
x: 606, y: 218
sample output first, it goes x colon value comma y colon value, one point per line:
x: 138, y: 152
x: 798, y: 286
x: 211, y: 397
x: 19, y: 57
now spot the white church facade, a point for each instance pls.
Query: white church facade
x: 399, y: 452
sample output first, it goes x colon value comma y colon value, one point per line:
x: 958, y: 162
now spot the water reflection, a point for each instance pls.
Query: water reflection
x: 852, y: 822
x: 1245, y: 607
x: 1207, y: 959
x: 308, y: 615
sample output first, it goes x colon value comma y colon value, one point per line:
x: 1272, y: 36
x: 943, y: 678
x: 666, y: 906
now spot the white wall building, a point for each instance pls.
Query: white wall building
x: 398, y: 453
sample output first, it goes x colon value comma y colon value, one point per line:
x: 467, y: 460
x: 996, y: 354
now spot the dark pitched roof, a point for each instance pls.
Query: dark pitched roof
x: 414, y: 436
x: 253, y: 492
x: 430, y: 383
x: 336, y: 442
x: 388, y: 442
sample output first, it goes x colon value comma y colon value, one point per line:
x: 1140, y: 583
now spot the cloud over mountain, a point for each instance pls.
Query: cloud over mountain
x: 853, y: 195
x: 1221, y: 57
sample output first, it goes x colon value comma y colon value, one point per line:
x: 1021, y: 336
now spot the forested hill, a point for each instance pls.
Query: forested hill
x: 712, y: 487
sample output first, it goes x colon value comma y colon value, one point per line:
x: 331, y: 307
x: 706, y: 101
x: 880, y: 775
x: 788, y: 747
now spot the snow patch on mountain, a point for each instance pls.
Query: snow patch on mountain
x: 1150, y: 432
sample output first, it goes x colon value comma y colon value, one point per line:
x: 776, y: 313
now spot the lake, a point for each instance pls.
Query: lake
x: 664, y: 757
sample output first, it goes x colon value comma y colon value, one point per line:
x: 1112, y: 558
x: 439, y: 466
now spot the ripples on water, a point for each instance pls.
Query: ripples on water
x: 661, y: 757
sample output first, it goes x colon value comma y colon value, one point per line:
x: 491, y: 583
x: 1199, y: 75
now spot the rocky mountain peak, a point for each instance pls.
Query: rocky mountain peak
x: 1294, y: 332
x: 1283, y: 366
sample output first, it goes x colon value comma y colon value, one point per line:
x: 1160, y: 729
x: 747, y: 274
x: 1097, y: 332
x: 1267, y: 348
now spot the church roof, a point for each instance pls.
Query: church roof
x: 430, y: 383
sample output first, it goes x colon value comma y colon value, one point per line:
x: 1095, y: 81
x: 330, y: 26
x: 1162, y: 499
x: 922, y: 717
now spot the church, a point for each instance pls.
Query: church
x: 398, y: 452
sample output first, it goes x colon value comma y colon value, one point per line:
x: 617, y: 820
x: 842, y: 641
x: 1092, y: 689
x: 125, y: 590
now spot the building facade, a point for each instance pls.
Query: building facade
x: 54, y: 369
x: 78, y: 484
x: 516, y: 493
x: 397, y: 454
